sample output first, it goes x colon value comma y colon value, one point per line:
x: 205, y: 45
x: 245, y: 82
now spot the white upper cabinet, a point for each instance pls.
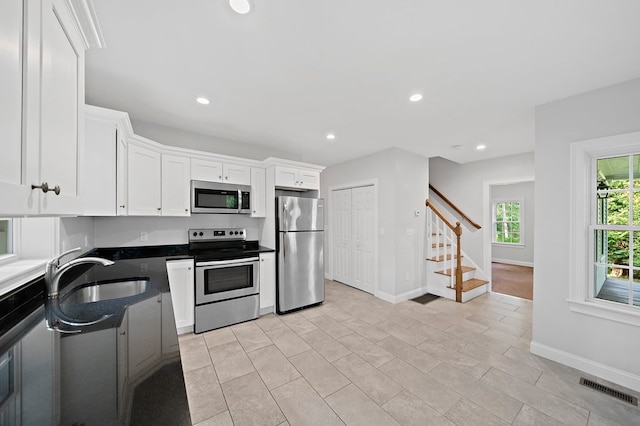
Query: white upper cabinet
x: 15, y: 191
x: 42, y: 106
x: 176, y: 173
x: 258, y: 192
x: 62, y: 110
x: 105, y: 174
x: 206, y: 170
x: 236, y: 174
x: 294, y: 178
x: 144, y: 169
x: 216, y: 171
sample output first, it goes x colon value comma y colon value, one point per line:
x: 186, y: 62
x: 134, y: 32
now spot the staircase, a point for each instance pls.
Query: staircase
x: 450, y: 274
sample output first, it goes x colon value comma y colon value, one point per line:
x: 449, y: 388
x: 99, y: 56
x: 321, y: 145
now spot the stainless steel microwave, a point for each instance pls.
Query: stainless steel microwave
x: 213, y: 197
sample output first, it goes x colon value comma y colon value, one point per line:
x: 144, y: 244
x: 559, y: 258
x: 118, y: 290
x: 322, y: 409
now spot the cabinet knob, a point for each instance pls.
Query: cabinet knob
x: 220, y: 177
x: 226, y: 177
x: 189, y: 268
x: 159, y: 208
x: 186, y: 210
x: 44, y: 186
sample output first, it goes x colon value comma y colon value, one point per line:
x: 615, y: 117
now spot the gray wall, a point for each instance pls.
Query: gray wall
x: 593, y: 343
x: 403, y: 179
x: 516, y: 255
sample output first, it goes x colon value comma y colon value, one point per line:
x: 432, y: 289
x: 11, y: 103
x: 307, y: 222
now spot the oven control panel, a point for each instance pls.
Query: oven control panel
x: 218, y: 234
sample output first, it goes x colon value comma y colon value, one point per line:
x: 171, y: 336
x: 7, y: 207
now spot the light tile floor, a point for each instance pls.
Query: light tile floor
x: 358, y: 360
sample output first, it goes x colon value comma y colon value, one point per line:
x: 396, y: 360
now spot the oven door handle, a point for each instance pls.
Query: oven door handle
x: 227, y: 262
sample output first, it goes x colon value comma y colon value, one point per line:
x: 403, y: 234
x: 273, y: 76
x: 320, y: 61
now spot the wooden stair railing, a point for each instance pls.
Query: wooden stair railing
x: 453, y: 230
x: 454, y: 207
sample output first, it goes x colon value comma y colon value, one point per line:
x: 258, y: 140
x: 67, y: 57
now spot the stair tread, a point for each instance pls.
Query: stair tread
x: 442, y: 257
x: 449, y: 272
x: 471, y: 284
x: 434, y: 245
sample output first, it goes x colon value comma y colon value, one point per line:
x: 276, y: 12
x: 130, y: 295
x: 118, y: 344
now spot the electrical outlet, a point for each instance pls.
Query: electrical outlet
x: 144, y: 236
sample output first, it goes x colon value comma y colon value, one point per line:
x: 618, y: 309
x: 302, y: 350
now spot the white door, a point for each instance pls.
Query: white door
x: 362, y: 200
x: 342, y: 235
x: 353, y: 248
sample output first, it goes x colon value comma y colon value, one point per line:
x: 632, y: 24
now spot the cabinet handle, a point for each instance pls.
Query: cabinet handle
x: 123, y: 333
x: 220, y: 177
x: 122, y: 206
x: 189, y: 268
x: 45, y: 188
x: 186, y: 210
x: 159, y: 208
x: 226, y: 177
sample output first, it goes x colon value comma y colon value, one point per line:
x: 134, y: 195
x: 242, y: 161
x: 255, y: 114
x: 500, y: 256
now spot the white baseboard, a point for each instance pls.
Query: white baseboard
x: 614, y: 375
x: 513, y: 262
x: 400, y: 297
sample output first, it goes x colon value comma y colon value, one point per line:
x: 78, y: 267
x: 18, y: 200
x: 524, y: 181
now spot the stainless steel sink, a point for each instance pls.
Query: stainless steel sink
x: 107, y: 290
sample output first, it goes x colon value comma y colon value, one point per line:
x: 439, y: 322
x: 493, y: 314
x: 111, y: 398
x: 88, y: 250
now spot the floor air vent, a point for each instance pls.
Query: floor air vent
x: 609, y: 391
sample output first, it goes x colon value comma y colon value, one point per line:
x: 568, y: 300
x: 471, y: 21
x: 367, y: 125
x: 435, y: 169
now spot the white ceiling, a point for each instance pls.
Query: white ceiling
x: 291, y: 71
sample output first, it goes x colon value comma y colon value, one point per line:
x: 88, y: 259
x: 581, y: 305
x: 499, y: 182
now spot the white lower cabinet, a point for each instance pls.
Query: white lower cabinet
x: 176, y: 176
x: 181, y: 283
x: 267, y: 282
x: 169, y: 331
x: 145, y: 331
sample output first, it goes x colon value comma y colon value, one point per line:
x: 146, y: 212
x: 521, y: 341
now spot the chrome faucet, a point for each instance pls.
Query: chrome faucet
x: 54, y: 271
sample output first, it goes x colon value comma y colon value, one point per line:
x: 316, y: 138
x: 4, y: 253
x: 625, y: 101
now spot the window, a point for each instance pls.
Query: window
x: 507, y: 222
x: 6, y: 237
x: 605, y: 227
x: 615, y: 226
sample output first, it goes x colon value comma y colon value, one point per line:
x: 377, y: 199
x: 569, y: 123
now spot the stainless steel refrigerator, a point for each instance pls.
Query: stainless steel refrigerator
x: 300, y: 266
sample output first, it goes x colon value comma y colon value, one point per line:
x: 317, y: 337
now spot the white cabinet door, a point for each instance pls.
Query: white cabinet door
x: 258, y: 192
x: 169, y: 331
x: 15, y: 189
x: 286, y: 177
x: 123, y: 359
x: 61, y: 109
x: 206, y: 170
x: 100, y: 167
x: 145, y: 331
x: 267, y: 281
x: 144, y: 181
x: 121, y: 173
x: 239, y: 175
x: 181, y: 283
x: 309, y: 179
x: 176, y: 173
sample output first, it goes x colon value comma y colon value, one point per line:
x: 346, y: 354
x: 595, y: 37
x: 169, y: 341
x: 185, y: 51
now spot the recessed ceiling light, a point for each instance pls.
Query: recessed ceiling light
x: 240, y: 6
x: 415, y: 97
x: 203, y: 101
x: 480, y: 147
x: 331, y: 136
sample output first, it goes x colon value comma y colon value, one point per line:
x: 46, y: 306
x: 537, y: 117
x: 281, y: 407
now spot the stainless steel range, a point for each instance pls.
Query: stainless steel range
x: 227, y: 277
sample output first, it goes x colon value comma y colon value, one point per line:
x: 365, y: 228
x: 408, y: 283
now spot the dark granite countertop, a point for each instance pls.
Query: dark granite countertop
x: 126, y: 366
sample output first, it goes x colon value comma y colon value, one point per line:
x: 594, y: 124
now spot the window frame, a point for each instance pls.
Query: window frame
x: 582, y: 194
x: 521, y: 221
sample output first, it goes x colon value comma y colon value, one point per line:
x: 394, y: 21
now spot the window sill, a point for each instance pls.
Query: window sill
x: 19, y: 272
x: 516, y: 245
x: 623, y: 314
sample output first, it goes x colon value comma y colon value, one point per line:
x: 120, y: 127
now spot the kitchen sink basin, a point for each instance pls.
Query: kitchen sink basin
x: 107, y: 290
